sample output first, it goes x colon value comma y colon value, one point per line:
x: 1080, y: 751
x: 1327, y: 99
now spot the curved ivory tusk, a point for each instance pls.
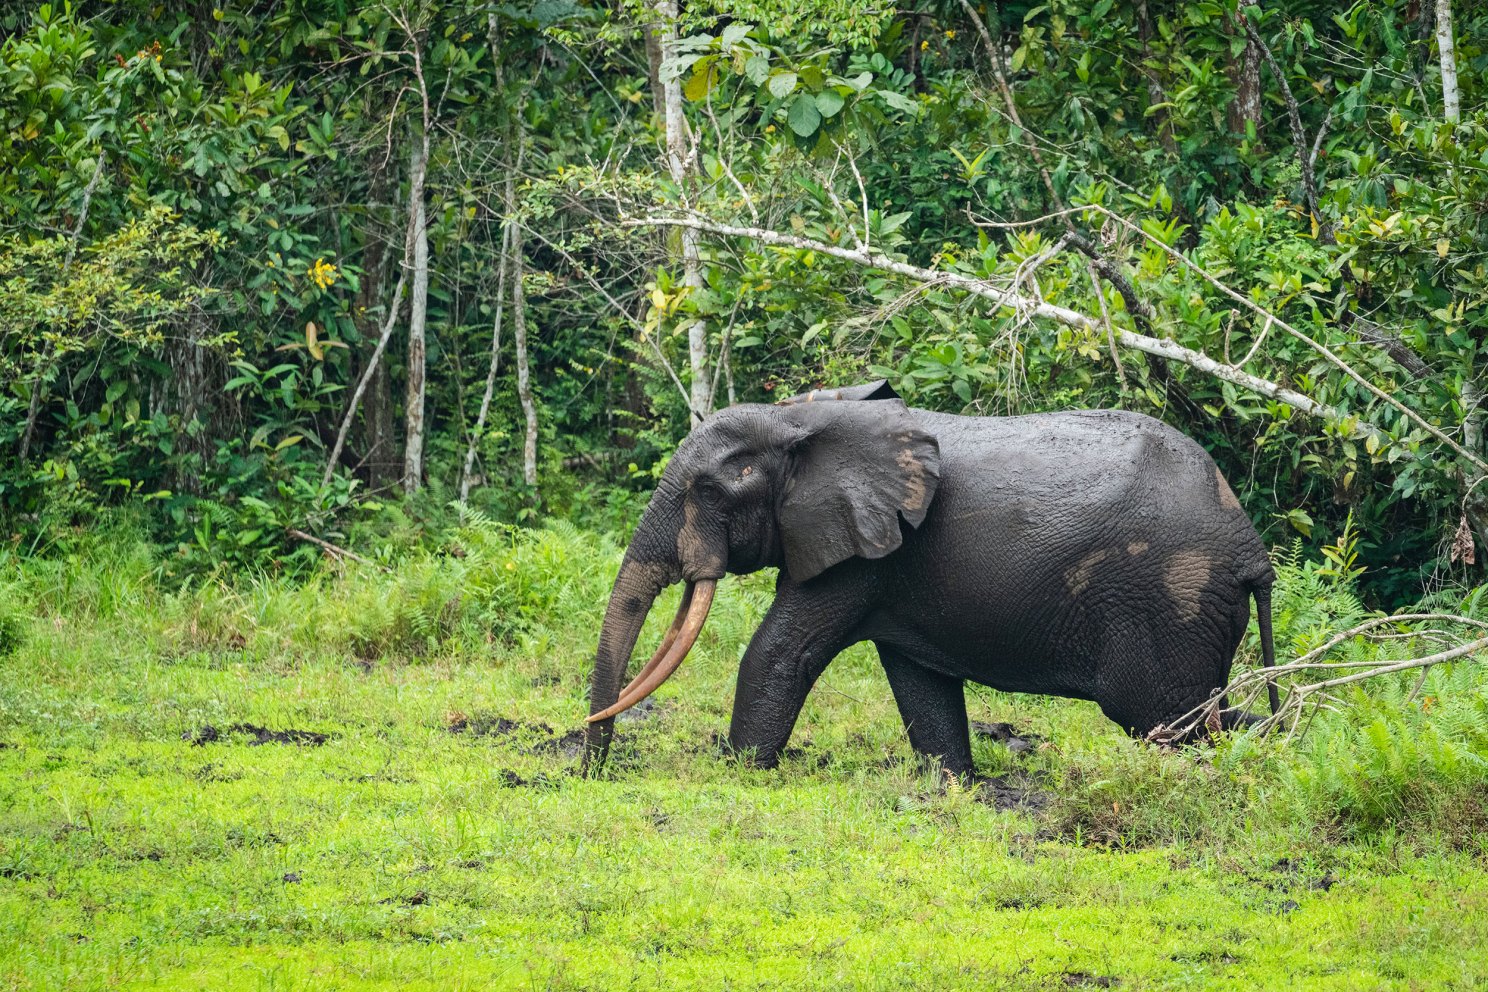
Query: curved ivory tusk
x: 683, y: 605
x: 643, y: 686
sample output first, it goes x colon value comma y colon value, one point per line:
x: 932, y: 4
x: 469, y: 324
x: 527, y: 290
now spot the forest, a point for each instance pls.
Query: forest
x: 344, y: 342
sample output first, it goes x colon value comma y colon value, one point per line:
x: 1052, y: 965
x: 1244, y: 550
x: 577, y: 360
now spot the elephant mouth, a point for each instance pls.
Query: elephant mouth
x: 692, y: 613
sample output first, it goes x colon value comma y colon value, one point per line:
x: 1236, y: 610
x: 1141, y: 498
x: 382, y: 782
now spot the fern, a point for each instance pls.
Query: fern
x: 1397, y: 755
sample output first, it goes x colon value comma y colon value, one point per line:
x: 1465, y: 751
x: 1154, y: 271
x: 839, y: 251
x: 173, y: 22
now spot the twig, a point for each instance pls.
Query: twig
x: 994, y: 57
x: 361, y: 386
x: 1100, y: 298
x: 1299, y: 137
x: 1247, y: 687
x: 33, y: 408
x: 334, y: 549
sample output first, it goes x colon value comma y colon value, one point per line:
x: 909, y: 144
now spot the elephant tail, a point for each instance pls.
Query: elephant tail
x: 1262, y: 595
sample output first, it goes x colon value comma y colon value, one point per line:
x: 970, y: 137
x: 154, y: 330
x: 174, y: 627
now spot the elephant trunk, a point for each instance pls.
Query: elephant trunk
x: 636, y: 587
x: 692, y: 613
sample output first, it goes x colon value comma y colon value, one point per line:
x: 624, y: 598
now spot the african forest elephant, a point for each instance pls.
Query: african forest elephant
x: 1096, y: 554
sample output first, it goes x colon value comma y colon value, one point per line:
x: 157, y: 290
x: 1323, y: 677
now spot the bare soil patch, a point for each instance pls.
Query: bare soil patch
x: 256, y: 735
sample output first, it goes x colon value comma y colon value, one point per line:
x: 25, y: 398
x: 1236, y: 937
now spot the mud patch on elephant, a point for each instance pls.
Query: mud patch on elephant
x: 256, y: 735
x: 1227, y: 498
x: 1078, y: 578
x: 914, y: 480
x: 1185, y: 577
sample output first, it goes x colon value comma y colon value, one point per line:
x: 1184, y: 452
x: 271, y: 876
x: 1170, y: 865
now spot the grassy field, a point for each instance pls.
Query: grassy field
x: 364, y: 782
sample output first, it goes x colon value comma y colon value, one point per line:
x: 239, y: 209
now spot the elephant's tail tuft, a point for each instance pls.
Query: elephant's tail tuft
x: 1262, y: 593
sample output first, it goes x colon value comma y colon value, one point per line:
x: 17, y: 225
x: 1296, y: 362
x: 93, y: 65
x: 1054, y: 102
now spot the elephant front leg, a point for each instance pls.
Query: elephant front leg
x: 798, y: 638
x: 933, y: 707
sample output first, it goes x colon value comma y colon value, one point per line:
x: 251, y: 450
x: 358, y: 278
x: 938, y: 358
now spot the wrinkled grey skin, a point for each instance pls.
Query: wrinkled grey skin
x: 1096, y: 554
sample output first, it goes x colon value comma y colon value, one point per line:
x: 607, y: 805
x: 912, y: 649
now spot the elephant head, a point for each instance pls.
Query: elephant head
x: 801, y: 485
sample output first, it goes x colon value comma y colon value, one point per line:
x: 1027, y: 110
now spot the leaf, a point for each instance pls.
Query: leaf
x: 700, y: 82
x: 803, y: 117
x: 312, y: 344
x: 289, y: 442
x: 899, y: 102
x: 828, y: 102
x: 781, y: 84
x: 674, y: 67
x: 893, y: 222
x: 757, y: 69
x: 734, y: 33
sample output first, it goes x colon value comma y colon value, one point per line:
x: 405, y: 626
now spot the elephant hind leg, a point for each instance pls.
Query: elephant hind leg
x: 1144, y: 682
x: 933, y: 707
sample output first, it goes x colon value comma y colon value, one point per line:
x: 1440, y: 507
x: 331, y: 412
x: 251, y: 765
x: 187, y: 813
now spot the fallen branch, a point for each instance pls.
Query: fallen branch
x: 1158, y: 347
x: 1304, y: 700
x: 334, y: 549
x: 1306, y: 339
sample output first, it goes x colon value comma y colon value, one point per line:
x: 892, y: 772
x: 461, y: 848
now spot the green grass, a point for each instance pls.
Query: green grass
x: 403, y: 855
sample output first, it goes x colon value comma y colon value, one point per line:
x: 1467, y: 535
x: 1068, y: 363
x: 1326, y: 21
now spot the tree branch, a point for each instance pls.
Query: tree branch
x: 1299, y: 137
x: 1306, y: 339
x: 334, y: 549
x: 1158, y: 347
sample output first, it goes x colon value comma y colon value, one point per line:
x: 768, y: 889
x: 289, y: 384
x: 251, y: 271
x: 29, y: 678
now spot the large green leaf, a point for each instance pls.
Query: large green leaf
x: 803, y: 117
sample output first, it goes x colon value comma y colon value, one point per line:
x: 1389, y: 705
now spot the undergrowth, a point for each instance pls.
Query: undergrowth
x: 1399, y: 756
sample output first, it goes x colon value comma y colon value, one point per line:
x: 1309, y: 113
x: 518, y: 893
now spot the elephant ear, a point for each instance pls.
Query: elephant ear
x: 858, y: 466
x: 880, y: 390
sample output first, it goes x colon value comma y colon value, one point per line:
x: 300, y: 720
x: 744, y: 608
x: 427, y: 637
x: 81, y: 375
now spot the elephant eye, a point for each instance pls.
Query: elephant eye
x: 708, y: 491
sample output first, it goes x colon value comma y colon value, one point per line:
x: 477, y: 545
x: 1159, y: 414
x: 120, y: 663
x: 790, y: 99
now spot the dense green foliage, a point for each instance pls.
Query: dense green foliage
x: 437, y: 839
x: 205, y: 213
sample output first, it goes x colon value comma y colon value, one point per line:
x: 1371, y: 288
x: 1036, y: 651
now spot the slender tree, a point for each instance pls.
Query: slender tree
x: 1448, y: 51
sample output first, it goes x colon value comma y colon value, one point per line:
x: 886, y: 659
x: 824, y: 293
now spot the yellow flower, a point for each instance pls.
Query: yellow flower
x: 951, y: 35
x: 924, y: 46
x: 322, y: 274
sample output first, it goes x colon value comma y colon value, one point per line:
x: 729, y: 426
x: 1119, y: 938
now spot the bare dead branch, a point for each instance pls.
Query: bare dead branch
x: 335, y: 549
x: 1159, y: 347
x: 1305, y: 699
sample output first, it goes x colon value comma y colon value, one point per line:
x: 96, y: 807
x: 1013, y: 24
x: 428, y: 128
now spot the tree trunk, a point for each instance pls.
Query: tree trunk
x: 679, y: 165
x: 375, y: 437
x: 38, y: 382
x: 467, y: 473
x: 524, y: 372
x: 1245, y: 73
x: 1448, y: 52
x: 413, y: 436
x: 652, y: 35
x: 373, y: 367
x: 1155, y: 95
